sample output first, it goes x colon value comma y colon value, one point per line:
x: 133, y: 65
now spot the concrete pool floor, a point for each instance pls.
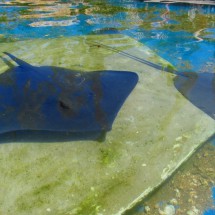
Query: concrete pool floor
x: 155, y: 132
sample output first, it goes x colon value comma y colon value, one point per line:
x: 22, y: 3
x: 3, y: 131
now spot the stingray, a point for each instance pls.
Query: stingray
x: 198, y: 88
x: 54, y: 99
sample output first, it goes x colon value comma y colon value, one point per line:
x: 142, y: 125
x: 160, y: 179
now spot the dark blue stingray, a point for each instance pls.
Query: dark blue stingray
x: 50, y: 98
x: 198, y: 88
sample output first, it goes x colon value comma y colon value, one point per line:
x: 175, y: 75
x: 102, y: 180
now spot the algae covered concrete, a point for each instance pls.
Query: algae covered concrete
x: 156, y: 130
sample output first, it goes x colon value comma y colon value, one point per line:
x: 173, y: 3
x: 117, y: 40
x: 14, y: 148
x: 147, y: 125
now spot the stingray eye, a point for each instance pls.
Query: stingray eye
x: 67, y: 108
x: 64, y: 105
x: 90, y: 94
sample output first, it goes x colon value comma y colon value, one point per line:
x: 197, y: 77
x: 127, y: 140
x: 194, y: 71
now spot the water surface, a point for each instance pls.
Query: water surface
x: 182, y: 34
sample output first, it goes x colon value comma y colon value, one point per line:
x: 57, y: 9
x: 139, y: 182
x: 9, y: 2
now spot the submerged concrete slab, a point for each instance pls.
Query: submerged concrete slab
x: 156, y: 130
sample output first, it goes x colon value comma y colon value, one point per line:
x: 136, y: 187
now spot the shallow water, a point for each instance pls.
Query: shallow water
x: 182, y: 34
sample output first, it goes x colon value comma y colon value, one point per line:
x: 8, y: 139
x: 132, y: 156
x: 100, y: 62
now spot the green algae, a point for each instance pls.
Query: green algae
x: 90, y: 205
x: 110, y: 153
x: 100, y: 8
x: 94, y: 204
x: 108, y: 156
x: 170, y: 68
x: 3, y: 18
x: 7, y: 39
x: 182, y: 22
x: 166, y: 65
x: 24, y: 12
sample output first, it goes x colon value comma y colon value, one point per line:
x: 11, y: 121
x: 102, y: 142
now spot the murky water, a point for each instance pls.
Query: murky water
x: 182, y: 34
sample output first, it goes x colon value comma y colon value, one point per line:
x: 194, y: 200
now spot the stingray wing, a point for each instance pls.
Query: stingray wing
x: 58, y: 99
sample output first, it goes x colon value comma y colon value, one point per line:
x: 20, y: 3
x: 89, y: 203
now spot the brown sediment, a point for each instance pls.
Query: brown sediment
x: 189, y: 189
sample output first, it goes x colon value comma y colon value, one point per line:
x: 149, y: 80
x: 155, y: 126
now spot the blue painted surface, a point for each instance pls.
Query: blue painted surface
x: 211, y: 211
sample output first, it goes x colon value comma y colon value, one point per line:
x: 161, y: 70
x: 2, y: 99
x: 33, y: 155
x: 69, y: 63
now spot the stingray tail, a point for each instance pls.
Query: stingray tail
x: 20, y: 62
x: 169, y: 68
